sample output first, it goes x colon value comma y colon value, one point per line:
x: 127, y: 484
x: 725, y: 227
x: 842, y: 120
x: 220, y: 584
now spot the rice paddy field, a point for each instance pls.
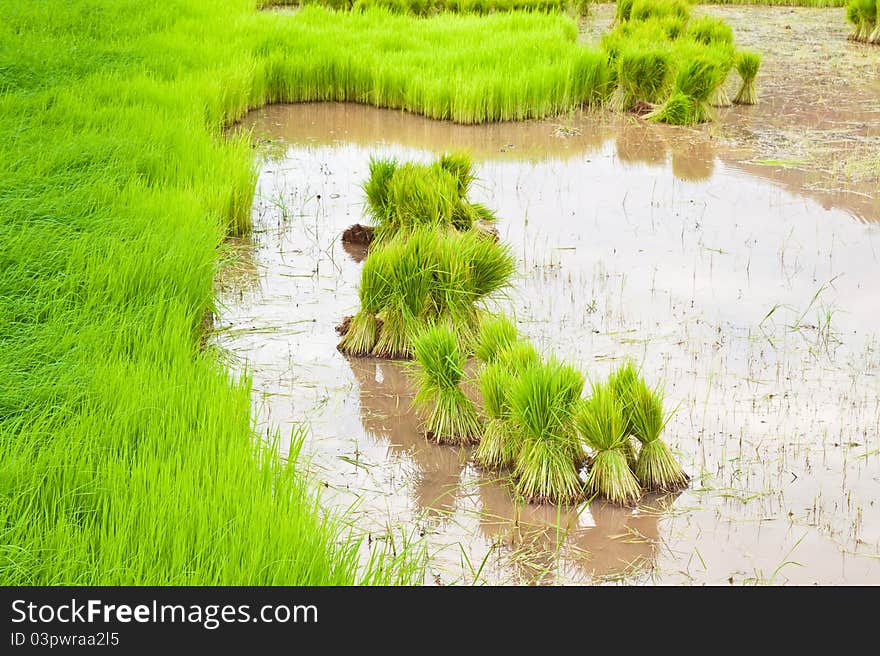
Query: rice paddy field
x: 609, y: 316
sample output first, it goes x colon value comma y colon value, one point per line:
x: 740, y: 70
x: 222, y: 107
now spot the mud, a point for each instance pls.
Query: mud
x: 752, y: 297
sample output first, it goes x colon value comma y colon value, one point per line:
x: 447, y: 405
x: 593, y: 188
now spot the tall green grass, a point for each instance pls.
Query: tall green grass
x: 432, y: 7
x: 468, y: 69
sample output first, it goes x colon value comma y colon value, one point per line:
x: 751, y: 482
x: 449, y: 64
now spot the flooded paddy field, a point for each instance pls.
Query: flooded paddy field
x: 755, y: 305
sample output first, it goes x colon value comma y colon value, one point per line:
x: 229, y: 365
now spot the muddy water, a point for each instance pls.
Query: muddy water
x: 756, y: 306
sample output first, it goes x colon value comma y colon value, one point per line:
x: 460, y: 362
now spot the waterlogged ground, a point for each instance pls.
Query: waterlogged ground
x: 756, y: 306
x: 817, y: 127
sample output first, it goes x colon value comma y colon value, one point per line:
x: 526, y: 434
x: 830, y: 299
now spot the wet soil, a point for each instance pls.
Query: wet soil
x: 753, y: 297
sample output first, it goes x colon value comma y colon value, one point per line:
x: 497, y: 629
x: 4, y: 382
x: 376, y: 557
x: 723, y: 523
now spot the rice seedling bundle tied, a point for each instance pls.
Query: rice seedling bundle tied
x: 865, y: 18
x: 543, y: 400
x: 602, y: 424
x: 500, y: 442
x: 450, y: 417
x: 426, y: 276
x: 672, y: 64
x: 656, y: 467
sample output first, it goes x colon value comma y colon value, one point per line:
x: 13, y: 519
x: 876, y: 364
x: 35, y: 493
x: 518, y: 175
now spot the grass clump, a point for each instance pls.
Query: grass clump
x: 747, y: 64
x: 425, y: 277
x: 644, y: 73
x: 497, y: 333
x: 601, y: 423
x: 543, y: 400
x: 694, y: 85
x: 450, y: 417
x: 500, y: 442
x: 865, y: 18
x: 404, y: 197
x: 656, y: 468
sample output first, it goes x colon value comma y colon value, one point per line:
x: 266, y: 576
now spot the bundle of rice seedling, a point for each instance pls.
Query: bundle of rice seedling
x: 543, y: 400
x: 656, y: 468
x: 644, y: 10
x: 644, y: 73
x: 374, y: 293
x: 404, y: 197
x: 496, y: 334
x: 710, y: 31
x: 497, y: 444
x: 624, y: 9
x: 425, y: 276
x: 865, y: 17
x: 376, y: 189
x: 874, y: 37
x: 620, y: 382
x: 469, y: 268
x: 409, y: 268
x: 449, y: 415
x: 600, y: 421
x: 747, y: 65
x: 695, y: 82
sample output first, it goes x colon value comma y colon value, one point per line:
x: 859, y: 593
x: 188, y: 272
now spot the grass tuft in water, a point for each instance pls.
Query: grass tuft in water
x: 543, y: 400
x: 497, y: 333
x: 601, y: 423
x: 656, y: 468
x: 450, y: 417
x: 747, y: 64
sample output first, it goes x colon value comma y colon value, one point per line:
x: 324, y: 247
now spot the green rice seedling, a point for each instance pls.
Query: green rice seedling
x: 404, y: 197
x: 620, y: 382
x: 874, y: 37
x: 543, y: 400
x: 498, y: 443
x: 863, y: 15
x: 644, y: 10
x: 600, y: 422
x: 374, y: 293
x: 695, y: 82
x: 497, y: 333
x: 519, y: 356
x: 409, y: 267
x: 644, y: 75
x: 461, y: 167
x: 450, y: 417
x: 501, y: 441
x: 623, y: 11
x: 708, y: 30
x: 747, y: 64
x: 656, y: 468
x: 853, y: 16
x: 376, y: 189
x: 470, y: 268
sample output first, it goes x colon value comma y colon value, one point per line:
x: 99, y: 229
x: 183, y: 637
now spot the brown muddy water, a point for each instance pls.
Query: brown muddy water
x: 756, y: 306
